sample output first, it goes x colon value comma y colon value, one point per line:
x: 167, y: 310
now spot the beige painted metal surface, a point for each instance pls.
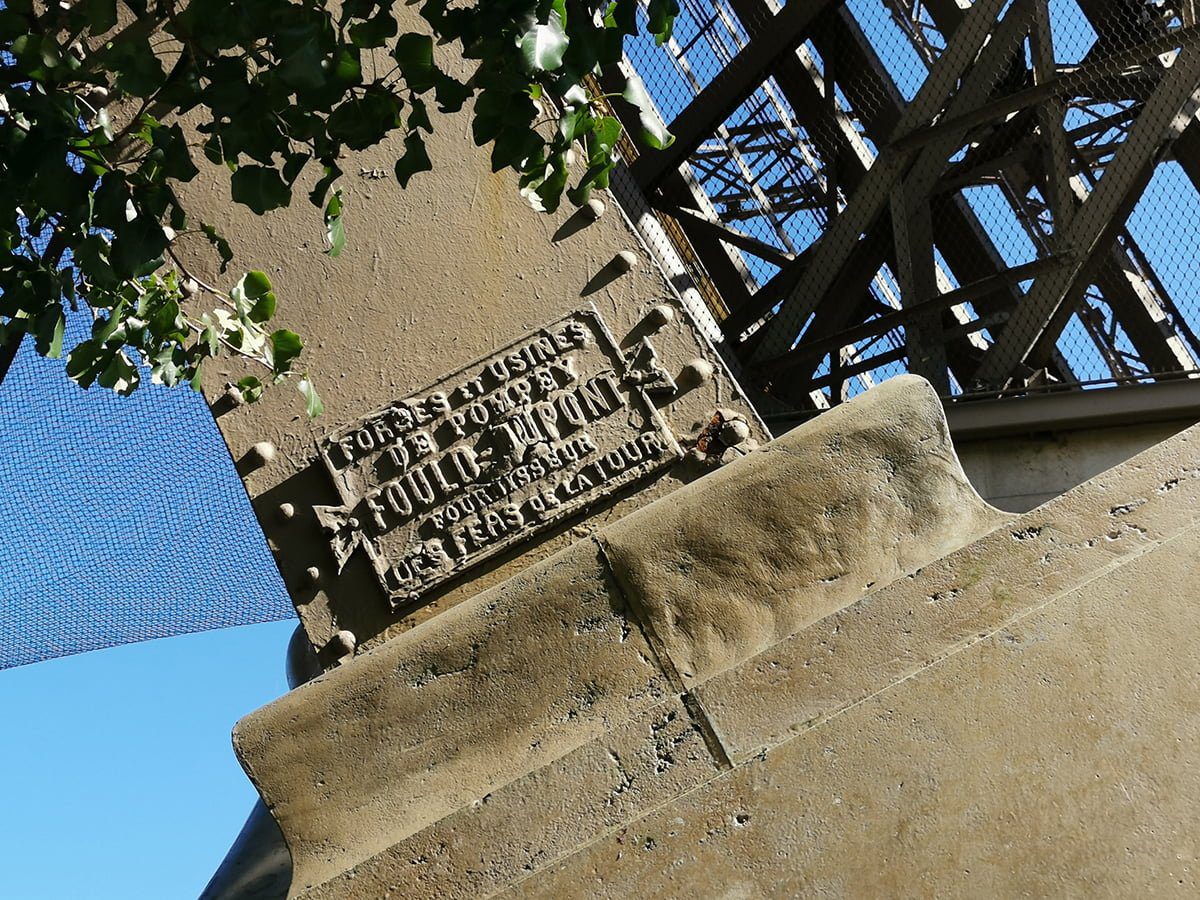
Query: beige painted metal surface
x: 433, y: 277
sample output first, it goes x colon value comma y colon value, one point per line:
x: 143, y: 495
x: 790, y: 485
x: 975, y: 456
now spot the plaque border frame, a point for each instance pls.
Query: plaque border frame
x: 569, y: 510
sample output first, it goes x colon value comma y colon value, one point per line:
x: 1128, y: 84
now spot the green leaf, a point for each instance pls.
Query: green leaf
x: 414, y: 160
x: 575, y: 122
x: 138, y: 246
x: 260, y: 188
x: 335, y: 230
x: 661, y: 15
x: 104, y: 125
x: 165, y: 367
x: 331, y: 173
x: 210, y: 340
x: 285, y: 347
x: 166, y: 320
x: 312, y: 402
x: 654, y: 132
x: 50, y: 326
x: 120, y: 375
x: 101, y: 15
x: 259, y: 301
x: 623, y: 15
x: 347, y: 67
x: 414, y: 54
x: 543, y: 46
x: 251, y: 388
x: 603, y: 139
x: 86, y: 361
x: 303, y: 69
x: 551, y: 189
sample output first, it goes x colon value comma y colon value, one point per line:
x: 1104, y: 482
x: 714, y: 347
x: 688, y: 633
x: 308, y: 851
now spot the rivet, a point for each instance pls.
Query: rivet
x: 734, y: 431
x: 342, y: 644
x: 625, y: 261
x: 256, y: 457
x: 593, y: 209
x: 661, y: 315
x: 312, y: 576
x: 264, y: 451
x: 285, y: 512
x: 697, y: 372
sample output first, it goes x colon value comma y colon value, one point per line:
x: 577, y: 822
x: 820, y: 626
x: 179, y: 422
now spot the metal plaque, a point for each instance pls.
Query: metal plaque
x: 440, y: 481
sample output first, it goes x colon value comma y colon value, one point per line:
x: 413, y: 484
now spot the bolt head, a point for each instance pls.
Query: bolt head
x: 264, y: 451
x: 593, y: 209
x: 661, y: 315
x: 625, y: 261
x: 734, y: 432
x: 343, y: 644
x: 697, y: 372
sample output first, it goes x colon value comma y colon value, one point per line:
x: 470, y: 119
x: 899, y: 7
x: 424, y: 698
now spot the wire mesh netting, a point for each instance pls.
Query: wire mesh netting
x: 121, y: 519
x: 1020, y: 175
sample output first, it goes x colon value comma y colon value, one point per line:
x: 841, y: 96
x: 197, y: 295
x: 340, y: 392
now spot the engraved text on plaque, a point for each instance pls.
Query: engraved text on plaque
x: 523, y: 438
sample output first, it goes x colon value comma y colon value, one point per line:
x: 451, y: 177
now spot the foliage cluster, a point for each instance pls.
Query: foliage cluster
x: 93, y: 152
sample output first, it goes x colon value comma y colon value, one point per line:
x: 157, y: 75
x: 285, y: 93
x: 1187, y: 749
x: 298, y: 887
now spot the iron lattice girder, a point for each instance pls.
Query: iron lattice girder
x: 1140, y: 302
x: 872, y: 194
x: 1107, y: 206
x: 924, y: 135
x: 970, y: 255
x: 1145, y: 324
x: 730, y: 88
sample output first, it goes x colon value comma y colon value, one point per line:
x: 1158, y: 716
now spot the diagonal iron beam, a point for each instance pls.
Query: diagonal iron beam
x: 1032, y: 329
x: 1135, y: 304
x: 873, y: 193
x: 725, y: 93
x: 968, y: 293
x: 1063, y: 85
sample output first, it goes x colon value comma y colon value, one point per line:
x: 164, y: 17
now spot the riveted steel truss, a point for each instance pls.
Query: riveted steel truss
x: 938, y: 187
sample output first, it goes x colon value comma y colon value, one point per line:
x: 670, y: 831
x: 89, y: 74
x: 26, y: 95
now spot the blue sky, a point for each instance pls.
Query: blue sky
x: 123, y: 519
x: 120, y: 778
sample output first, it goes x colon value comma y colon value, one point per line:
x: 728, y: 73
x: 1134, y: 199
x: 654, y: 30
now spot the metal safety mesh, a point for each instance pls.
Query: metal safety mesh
x: 121, y: 519
x: 1055, y: 281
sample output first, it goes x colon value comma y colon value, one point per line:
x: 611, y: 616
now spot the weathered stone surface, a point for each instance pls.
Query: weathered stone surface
x: 527, y: 824
x: 508, y: 683
x: 817, y: 519
x: 1074, y: 539
x: 1054, y: 757
x: 437, y: 718
x: 431, y: 278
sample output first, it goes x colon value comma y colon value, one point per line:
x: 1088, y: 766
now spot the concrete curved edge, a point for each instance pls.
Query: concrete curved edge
x: 526, y: 672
